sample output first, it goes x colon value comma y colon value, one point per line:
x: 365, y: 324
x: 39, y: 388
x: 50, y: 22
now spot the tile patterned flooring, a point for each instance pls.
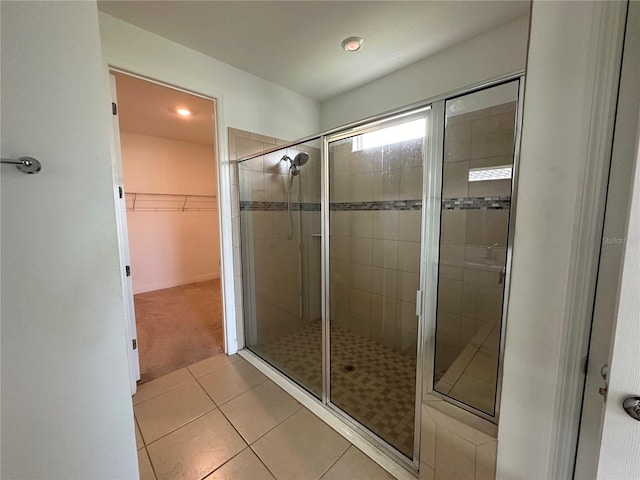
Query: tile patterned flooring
x: 221, y: 418
x: 371, y: 382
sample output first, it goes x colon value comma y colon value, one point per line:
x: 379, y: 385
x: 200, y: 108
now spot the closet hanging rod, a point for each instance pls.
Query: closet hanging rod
x: 24, y: 164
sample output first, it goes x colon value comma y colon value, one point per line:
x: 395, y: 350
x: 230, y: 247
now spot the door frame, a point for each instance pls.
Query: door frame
x: 611, y: 255
x: 228, y: 321
x: 123, y: 242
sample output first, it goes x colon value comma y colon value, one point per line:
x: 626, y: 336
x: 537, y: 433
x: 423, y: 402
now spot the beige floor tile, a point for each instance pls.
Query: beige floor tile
x: 211, y: 364
x: 161, y: 385
x: 301, y: 447
x: 139, y: 440
x: 355, y: 465
x: 195, y: 450
x: 260, y: 409
x: 171, y: 410
x: 144, y: 465
x: 231, y: 381
x: 245, y: 465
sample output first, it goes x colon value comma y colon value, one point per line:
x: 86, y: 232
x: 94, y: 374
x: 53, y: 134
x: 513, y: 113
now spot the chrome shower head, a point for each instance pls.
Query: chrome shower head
x: 294, y: 170
x: 300, y: 159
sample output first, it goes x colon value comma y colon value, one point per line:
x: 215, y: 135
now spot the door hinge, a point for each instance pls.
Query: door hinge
x: 114, y: 108
x: 121, y: 192
x: 134, y: 342
x: 127, y: 270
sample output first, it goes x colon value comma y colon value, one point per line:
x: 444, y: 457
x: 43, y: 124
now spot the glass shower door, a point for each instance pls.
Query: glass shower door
x: 375, y: 209
x: 280, y: 229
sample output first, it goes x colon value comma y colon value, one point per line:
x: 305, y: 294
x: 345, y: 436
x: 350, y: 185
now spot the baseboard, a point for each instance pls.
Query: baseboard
x: 174, y: 283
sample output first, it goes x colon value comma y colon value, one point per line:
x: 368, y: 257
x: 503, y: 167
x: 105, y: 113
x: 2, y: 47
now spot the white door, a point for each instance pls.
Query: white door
x: 123, y: 242
x: 620, y: 447
x: 615, y: 245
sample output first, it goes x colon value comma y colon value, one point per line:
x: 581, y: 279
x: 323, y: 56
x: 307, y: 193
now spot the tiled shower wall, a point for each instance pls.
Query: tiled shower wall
x: 375, y: 197
x: 281, y: 271
x: 475, y: 220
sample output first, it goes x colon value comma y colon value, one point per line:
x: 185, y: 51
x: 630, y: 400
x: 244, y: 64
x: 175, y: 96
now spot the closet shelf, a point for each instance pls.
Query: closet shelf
x: 169, y: 202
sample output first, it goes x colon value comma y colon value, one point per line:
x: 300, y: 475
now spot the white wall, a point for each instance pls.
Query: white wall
x: 554, y: 218
x: 169, y: 248
x: 244, y: 101
x: 492, y: 54
x: 249, y: 102
x: 66, y: 404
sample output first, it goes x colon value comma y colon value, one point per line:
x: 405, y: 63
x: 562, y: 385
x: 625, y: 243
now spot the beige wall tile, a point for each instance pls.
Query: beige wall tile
x: 457, y: 142
x: 486, y: 461
x: 450, y: 295
x: 409, y: 257
x: 484, y: 366
x: 409, y: 224
x: 360, y: 303
x: 385, y: 224
x: 263, y: 138
x: 450, y: 272
x: 448, y: 330
x: 361, y: 277
x: 475, y: 392
x: 411, y: 183
x: 408, y: 284
x: 427, y: 439
x: 482, y: 302
x: 487, y: 227
x: 361, y: 250
x: 361, y: 187
x: 386, y: 185
x: 340, y: 190
x: 340, y: 247
x: 464, y: 424
x: 340, y: 223
x: 426, y: 472
x: 453, y: 228
x: 362, y: 223
x: 492, y: 136
x: 340, y: 272
x: 455, y: 457
x: 477, y: 275
x: 455, y: 180
x: 385, y: 253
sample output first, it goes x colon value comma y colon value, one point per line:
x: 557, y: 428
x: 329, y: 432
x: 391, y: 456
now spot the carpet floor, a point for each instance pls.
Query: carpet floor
x: 177, y: 327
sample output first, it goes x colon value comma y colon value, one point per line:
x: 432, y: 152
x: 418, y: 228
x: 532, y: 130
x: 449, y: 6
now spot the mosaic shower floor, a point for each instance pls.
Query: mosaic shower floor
x: 371, y: 382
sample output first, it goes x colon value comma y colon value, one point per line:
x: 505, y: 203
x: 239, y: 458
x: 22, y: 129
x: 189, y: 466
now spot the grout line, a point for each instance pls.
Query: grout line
x: 262, y: 461
x: 351, y: 445
x: 183, y: 425
x: 223, y: 464
x: 300, y: 406
x: 153, y: 469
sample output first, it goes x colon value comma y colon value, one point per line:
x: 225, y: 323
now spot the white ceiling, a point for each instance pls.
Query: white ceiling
x: 148, y: 108
x: 297, y: 43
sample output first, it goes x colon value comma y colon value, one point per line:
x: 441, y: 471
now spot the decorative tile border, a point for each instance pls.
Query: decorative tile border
x: 246, y: 206
x: 386, y: 205
x: 465, y: 203
x: 476, y: 203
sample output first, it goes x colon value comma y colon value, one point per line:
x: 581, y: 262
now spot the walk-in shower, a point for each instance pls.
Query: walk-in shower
x: 375, y: 259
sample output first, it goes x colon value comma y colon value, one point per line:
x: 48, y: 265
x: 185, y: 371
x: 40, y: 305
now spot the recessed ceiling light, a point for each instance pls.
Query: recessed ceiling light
x: 352, y: 44
x: 183, y: 112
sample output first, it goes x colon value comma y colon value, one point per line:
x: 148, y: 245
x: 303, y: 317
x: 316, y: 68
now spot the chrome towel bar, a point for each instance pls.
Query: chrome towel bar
x: 24, y: 164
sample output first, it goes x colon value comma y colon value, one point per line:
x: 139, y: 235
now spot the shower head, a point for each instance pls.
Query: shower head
x: 300, y: 159
x: 294, y: 171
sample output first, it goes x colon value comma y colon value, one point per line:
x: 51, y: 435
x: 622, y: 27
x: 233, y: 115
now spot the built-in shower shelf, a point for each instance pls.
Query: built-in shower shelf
x: 169, y: 202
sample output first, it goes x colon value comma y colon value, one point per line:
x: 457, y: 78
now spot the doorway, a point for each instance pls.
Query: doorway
x: 169, y: 185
